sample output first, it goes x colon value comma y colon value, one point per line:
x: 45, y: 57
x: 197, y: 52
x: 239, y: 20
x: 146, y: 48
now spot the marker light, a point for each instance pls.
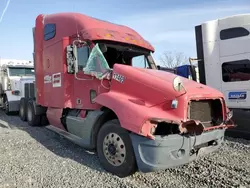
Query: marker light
x: 229, y: 115
x: 174, y: 103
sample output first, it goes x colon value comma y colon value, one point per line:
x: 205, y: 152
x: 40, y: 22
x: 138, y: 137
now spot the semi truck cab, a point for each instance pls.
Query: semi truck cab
x: 97, y: 85
x: 13, y: 85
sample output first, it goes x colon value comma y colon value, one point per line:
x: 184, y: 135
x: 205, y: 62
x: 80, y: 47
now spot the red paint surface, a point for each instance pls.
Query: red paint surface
x: 92, y: 29
x: 54, y: 115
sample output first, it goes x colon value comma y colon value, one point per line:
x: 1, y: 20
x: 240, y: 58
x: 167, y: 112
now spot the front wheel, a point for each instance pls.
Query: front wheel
x: 115, y: 150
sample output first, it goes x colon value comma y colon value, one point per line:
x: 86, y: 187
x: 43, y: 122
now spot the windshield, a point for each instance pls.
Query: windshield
x: 102, y: 59
x: 21, y: 71
x: 127, y: 55
x: 140, y: 61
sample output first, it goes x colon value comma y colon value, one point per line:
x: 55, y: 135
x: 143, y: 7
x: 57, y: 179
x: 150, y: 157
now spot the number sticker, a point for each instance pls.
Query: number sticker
x: 118, y: 77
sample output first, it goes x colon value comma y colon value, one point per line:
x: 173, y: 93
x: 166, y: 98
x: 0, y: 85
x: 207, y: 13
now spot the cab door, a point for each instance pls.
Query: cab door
x: 86, y: 84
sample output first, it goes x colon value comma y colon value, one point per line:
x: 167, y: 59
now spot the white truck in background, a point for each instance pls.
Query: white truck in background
x: 15, y: 79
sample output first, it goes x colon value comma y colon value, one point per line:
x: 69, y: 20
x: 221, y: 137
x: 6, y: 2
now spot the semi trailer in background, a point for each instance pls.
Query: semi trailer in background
x: 97, y: 84
x: 14, y: 77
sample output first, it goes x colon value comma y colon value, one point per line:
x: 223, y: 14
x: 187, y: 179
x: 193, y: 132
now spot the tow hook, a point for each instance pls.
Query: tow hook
x: 192, y: 152
x: 214, y: 143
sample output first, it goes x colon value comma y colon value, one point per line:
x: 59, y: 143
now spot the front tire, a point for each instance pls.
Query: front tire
x: 115, y: 150
x: 32, y: 119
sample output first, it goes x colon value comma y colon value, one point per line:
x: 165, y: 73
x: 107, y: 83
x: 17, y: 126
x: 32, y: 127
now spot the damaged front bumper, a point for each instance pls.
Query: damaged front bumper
x: 173, y: 150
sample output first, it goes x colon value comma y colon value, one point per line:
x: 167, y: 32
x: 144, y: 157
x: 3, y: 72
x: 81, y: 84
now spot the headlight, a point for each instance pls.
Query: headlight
x: 15, y: 92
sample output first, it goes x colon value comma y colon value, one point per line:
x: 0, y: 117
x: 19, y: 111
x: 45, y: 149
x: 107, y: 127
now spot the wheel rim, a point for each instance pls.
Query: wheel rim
x: 29, y: 115
x: 114, y: 149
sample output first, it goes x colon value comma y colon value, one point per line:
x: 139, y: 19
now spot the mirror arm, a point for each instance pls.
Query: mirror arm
x: 75, y: 58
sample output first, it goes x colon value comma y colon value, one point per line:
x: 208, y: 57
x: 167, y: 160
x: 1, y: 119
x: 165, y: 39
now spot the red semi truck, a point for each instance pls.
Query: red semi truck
x: 98, y: 85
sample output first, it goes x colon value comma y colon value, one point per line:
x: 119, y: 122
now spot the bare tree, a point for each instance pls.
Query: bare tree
x: 173, y: 59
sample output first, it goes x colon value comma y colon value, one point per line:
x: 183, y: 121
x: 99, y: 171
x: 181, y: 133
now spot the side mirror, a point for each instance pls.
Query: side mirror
x: 71, y: 55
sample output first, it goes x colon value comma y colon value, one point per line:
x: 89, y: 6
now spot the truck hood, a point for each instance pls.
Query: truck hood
x: 143, y: 98
x: 192, y: 88
x: 23, y: 78
x: 17, y: 82
x: 154, y: 86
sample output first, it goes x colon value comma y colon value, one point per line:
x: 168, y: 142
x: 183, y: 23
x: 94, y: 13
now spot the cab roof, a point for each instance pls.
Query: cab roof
x: 70, y: 24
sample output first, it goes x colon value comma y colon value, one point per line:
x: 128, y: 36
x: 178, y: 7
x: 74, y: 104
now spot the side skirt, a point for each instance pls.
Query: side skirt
x: 75, y: 139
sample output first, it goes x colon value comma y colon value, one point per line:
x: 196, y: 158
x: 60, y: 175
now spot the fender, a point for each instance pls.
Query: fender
x: 12, y: 97
x: 131, y: 112
x: 13, y: 100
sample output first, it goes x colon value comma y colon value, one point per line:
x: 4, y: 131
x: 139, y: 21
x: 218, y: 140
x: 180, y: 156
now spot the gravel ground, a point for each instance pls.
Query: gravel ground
x: 37, y: 157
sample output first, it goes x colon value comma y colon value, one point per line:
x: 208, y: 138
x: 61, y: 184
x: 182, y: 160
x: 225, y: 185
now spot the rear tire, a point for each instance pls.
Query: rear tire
x: 32, y: 119
x: 23, y: 109
x: 115, y: 150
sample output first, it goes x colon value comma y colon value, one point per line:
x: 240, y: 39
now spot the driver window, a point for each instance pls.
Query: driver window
x: 82, y: 56
x: 140, y: 62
